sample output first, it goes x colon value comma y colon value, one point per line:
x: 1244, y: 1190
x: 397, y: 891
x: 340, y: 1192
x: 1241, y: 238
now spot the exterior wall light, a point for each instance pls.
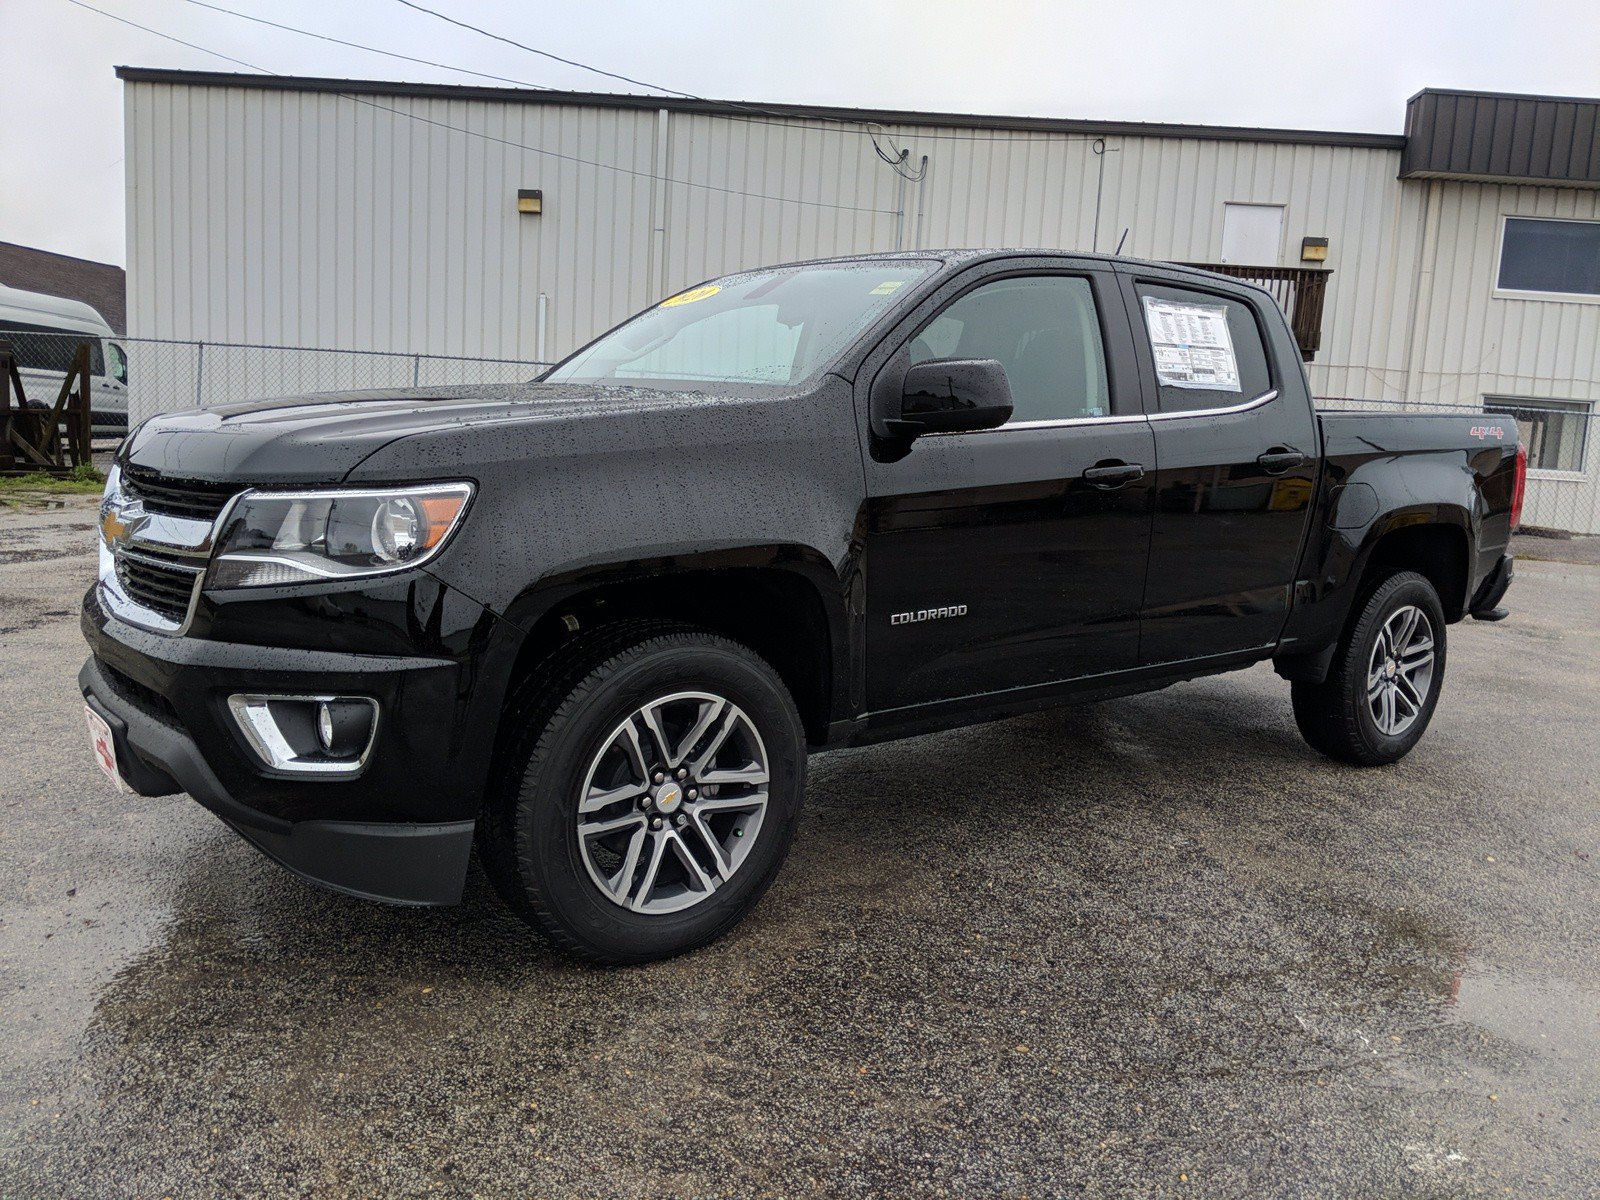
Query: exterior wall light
x: 530, y: 200
x: 1313, y: 249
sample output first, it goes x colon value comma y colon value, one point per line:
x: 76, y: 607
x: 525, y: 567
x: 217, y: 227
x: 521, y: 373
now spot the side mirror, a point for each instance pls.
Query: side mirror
x: 952, y: 395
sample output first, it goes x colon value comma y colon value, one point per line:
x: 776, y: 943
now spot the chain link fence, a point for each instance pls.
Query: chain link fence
x: 168, y: 375
x: 138, y: 377
x: 1563, y: 461
x: 133, y: 378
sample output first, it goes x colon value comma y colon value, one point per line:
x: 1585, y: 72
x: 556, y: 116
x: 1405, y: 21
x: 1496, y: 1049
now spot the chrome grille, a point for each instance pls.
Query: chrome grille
x: 162, y: 583
x: 196, y: 499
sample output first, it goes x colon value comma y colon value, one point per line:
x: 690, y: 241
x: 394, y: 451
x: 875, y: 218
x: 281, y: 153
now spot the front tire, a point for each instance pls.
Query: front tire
x: 647, y: 794
x: 1385, y: 679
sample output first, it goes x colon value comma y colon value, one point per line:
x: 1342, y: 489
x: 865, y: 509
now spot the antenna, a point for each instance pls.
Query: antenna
x: 1120, y: 240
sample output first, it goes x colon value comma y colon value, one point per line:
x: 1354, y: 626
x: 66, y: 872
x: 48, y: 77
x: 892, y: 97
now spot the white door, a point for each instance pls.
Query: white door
x: 1252, y: 234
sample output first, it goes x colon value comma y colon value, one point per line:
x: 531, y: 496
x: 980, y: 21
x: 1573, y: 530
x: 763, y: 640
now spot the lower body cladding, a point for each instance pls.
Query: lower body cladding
x: 380, y: 802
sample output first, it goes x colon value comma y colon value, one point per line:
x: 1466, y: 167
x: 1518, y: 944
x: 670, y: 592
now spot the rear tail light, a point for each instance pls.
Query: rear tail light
x: 1519, y: 486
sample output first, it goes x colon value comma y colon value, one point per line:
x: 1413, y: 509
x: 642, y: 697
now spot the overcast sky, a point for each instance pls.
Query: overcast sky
x: 1288, y: 63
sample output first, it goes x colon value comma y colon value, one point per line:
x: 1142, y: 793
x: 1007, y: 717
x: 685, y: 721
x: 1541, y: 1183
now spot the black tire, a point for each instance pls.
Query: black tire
x: 560, y: 719
x: 1335, y: 717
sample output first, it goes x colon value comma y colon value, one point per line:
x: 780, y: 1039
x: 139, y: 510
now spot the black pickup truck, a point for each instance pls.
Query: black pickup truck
x: 593, y: 624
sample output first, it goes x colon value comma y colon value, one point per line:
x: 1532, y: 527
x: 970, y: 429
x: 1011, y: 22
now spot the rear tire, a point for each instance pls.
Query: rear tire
x: 1385, y: 679
x: 582, y: 839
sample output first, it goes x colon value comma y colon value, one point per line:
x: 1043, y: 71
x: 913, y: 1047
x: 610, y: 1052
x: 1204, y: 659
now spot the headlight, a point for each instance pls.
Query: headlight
x: 274, y: 538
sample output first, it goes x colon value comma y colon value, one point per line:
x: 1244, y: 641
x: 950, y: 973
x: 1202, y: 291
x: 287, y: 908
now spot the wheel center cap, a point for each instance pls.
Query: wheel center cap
x: 1390, y: 669
x: 668, y: 797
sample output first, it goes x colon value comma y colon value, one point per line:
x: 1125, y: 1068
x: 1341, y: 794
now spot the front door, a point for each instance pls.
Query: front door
x: 1014, y: 557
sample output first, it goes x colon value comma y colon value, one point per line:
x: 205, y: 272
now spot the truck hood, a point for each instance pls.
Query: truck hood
x: 321, y: 438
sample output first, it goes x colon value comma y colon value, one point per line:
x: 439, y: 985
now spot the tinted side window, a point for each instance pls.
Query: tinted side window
x: 1044, y: 330
x: 1550, y: 256
x: 40, y: 348
x: 1207, y: 348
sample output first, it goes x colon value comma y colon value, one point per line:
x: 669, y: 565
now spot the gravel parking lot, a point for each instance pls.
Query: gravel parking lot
x: 1153, y: 947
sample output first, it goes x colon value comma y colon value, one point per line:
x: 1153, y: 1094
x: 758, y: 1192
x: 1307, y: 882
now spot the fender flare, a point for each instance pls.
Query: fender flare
x: 544, y: 597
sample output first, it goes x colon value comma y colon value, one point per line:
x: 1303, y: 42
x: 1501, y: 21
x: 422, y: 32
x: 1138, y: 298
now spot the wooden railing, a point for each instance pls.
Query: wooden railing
x: 1299, y: 291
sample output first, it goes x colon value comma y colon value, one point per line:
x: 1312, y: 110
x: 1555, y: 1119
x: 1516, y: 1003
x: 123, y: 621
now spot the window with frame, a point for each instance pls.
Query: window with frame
x: 1553, y: 257
x: 1043, y: 329
x: 1556, y: 432
x: 1208, y: 348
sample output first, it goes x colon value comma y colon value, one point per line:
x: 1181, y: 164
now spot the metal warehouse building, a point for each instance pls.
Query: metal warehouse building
x: 1457, y: 264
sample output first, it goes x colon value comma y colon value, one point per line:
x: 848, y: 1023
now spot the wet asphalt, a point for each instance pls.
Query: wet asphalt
x: 1153, y: 947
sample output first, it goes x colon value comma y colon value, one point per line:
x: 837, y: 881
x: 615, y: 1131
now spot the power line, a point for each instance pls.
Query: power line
x: 323, y: 37
x: 571, y: 62
x: 711, y: 187
x: 765, y: 116
x: 238, y: 62
x: 773, y: 117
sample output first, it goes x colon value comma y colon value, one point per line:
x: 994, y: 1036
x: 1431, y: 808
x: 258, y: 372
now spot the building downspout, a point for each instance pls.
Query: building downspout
x: 1099, y: 148
x: 900, y: 202
x: 922, y: 183
x: 1422, y: 292
x: 657, y: 272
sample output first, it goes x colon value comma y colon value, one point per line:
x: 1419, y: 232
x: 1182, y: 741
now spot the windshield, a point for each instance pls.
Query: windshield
x: 763, y: 327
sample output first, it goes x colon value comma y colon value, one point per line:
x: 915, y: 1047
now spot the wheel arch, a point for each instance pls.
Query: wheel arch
x: 1435, y: 541
x: 786, y: 602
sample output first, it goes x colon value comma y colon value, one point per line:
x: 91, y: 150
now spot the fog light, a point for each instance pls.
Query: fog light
x: 308, y: 735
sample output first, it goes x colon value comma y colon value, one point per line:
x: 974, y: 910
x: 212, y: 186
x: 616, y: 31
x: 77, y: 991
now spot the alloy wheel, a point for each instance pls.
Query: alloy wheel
x: 1400, y: 672
x: 673, y: 802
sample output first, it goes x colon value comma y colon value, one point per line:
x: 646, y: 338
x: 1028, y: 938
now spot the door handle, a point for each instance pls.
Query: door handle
x: 1277, y: 461
x: 1109, y: 476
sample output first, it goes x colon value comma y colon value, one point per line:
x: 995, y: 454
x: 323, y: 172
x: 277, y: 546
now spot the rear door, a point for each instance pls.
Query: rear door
x: 1236, y: 446
x: 991, y: 561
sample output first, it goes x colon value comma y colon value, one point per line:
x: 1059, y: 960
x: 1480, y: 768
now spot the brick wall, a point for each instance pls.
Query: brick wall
x: 99, y: 285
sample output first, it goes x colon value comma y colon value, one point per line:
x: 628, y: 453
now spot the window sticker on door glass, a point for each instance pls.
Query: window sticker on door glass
x: 1192, y: 345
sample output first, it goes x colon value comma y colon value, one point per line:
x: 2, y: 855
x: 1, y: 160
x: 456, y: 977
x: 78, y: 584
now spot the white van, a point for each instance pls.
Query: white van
x: 44, y: 332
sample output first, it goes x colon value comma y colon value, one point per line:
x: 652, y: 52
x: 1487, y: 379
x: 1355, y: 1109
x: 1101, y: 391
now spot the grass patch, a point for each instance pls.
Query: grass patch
x: 83, y: 481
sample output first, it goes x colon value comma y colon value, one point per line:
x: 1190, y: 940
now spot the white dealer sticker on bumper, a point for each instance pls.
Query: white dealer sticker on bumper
x: 105, y: 748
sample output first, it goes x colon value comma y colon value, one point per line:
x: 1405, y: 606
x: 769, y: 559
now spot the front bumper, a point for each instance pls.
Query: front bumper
x: 399, y: 863
x: 401, y: 831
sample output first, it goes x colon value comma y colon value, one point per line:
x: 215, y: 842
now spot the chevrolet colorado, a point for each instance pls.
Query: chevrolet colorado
x: 594, y: 624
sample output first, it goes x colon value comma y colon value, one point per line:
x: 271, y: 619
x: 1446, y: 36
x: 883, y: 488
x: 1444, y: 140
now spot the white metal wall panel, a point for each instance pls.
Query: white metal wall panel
x: 1478, y: 344
x: 314, y: 219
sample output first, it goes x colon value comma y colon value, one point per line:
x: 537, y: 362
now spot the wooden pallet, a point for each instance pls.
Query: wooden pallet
x: 39, y: 439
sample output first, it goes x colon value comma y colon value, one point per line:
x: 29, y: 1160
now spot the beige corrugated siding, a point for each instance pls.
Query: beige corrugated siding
x: 310, y: 218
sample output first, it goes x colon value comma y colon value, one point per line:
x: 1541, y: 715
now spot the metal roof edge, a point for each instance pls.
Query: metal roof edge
x: 1483, y: 95
x: 761, y: 109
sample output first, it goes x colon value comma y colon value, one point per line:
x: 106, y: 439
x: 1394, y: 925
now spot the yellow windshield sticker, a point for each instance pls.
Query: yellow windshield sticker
x: 693, y: 294
x: 884, y: 288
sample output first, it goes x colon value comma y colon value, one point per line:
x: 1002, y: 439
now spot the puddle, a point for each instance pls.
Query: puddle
x: 1555, y: 1019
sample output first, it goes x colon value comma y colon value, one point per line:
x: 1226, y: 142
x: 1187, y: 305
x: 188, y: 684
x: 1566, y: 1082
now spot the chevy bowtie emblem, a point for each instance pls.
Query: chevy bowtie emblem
x: 115, y: 522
